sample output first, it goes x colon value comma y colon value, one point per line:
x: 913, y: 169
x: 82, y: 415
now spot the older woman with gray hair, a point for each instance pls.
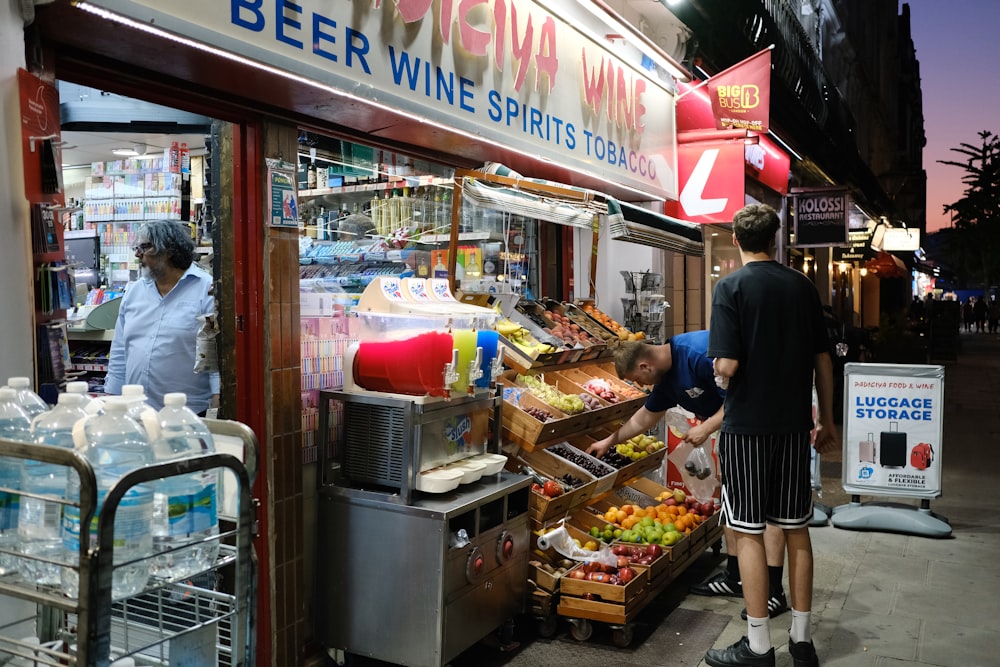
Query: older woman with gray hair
x: 155, y: 336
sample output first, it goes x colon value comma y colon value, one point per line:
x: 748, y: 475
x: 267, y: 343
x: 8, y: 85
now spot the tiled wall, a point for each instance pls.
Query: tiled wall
x: 291, y: 629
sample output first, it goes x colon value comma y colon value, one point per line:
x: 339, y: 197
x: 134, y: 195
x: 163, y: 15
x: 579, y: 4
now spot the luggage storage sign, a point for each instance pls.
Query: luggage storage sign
x: 892, y: 429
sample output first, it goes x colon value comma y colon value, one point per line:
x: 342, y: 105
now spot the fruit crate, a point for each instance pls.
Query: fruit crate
x: 530, y: 433
x: 626, y: 473
x: 604, y: 473
x: 661, y: 566
x: 676, y: 552
x: 609, y: 603
x: 595, y: 329
x: 542, y: 508
x: 622, y: 409
x: 536, y: 312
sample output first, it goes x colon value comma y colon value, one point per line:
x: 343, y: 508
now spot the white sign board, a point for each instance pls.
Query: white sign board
x: 525, y: 74
x: 893, y: 424
x: 900, y: 239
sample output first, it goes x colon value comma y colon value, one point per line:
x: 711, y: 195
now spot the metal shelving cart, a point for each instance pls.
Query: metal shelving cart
x: 188, y: 618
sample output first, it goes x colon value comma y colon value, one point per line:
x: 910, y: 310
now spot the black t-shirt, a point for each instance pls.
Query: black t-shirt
x: 769, y: 318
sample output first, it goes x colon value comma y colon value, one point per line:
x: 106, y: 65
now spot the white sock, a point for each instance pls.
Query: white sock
x: 759, y: 634
x: 799, y: 631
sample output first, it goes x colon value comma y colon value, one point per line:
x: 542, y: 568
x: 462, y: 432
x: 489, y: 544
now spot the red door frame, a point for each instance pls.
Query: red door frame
x: 248, y: 278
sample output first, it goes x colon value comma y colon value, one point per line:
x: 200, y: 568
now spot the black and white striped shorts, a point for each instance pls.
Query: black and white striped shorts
x: 766, y: 479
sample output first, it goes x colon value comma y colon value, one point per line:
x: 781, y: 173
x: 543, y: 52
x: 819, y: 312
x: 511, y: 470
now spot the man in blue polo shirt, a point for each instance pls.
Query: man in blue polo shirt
x: 680, y: 374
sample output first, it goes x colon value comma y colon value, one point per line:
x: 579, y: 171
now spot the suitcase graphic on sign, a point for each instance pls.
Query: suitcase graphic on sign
x: 866, y: 450
x: 921, y: 456
x: 892, y: 447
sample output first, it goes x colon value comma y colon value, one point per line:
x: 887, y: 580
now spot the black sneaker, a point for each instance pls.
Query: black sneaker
x: 776, y: 605
x: 739, y: 655
x: 720, y: 584
x: 803, y: 654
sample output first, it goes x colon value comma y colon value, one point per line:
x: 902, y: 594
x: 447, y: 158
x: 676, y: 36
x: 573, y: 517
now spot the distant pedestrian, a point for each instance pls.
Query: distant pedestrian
x: 968, y: 312
x: 993, y: 313
x: 979, y: 312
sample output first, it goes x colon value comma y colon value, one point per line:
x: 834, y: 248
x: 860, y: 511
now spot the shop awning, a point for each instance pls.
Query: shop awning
x: 635, y: 224
x: 627, y: 222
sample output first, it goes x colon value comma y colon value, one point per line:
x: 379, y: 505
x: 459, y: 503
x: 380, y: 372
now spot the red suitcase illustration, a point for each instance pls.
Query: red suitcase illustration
x: 866, y: 449
x: 921, y: 456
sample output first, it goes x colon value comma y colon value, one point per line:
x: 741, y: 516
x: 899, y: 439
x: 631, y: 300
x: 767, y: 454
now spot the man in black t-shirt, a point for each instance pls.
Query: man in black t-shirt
x: 768, y: 338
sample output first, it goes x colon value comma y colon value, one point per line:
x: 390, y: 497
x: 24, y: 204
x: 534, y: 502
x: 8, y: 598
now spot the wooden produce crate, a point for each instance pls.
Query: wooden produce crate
x: 612, y: 604
x: 605, y: 482
x: 623, y: 409
x: 530, y: 433
x: 629, y: 472
x: 536, y: 312
x: 677, y: 551
x: 659, y: 567
x: 595, y: 329
x: 542, y: 508
x: 623, y: 389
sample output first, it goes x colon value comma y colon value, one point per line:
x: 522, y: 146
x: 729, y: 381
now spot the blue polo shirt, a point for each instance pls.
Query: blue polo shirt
x: 690, y: 382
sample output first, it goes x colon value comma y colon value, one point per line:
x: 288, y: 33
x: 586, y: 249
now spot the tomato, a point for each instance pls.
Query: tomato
x: 552, y: 489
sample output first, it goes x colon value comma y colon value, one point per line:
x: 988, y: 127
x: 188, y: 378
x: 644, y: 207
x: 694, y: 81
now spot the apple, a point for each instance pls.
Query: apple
x: 626, y: 574
x: 669, y: 501
x: 654, y: 550
x: 679, y: 496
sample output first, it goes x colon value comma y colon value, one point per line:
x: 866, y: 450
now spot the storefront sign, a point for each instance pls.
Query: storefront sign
x: 820, y: 216
x: 509, y: 71
x: 893, y: 425
x: 283, y: 194
x: 857, y: 251
x: 901, y: 239
x: 712, y: 177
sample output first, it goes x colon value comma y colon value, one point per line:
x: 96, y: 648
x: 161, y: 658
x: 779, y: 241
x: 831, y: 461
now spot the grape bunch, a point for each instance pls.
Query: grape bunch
x: 590, y: 401
x: 571, y: 481
x: 570, y: 404
x: 539, y: 414
x: 581, y: 460
x: 613, y: 458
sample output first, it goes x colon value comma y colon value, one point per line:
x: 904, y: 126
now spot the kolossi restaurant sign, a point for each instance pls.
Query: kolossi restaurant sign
x: 513, y: 72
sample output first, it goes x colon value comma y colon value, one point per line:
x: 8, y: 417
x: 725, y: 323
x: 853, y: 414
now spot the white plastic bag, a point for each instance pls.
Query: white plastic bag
x: 206, y: 351
x: 560, y: 540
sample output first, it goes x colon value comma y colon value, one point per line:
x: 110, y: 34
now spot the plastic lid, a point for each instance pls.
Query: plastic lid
x: 18, y: 382
x: 133, y: 391
x: 175, y: 399
x: 77, y: 387
x: 70, y: 399
x: 115, y: 405
x: 8, y: 393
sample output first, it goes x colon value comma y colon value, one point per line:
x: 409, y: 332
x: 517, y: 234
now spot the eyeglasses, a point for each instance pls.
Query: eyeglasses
x: 142, y: 248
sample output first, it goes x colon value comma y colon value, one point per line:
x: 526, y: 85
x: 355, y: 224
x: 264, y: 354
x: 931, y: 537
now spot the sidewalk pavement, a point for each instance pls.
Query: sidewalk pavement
x: 880, y: 599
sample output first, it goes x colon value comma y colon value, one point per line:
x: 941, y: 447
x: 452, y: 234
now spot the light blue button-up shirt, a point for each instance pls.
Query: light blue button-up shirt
x: 155, y: 341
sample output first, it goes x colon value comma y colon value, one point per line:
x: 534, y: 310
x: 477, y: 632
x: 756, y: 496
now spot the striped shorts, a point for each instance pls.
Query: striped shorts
x: 766, y: 479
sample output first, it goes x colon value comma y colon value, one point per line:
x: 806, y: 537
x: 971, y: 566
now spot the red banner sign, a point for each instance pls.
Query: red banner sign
x: 39, y: 124
x: 711, y: 178
x: 741, y: 95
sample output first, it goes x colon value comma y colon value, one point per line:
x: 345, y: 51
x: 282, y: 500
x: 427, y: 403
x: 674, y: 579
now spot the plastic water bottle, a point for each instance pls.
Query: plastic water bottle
x: 14, y: 425
x: 186, y: 506
x: 140, y: 410
x: 29, y: 401
x: 39, y: 521
x: 115, y: 445
x: 90, y: 405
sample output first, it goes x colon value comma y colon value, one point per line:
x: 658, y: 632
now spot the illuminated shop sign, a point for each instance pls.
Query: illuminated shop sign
x: 820, y: 216
x: 509, y: 71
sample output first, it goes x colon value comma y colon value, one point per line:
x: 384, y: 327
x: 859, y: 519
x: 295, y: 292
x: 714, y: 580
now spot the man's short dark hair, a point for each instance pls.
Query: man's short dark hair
x: 755, y: 226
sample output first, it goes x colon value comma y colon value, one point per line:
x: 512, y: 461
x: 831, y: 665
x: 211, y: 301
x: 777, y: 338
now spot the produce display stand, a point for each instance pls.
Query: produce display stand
x: 533, y: 444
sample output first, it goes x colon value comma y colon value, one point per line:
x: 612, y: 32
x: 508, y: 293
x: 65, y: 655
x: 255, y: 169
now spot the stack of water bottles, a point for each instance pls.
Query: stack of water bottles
x: 167, y: 529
